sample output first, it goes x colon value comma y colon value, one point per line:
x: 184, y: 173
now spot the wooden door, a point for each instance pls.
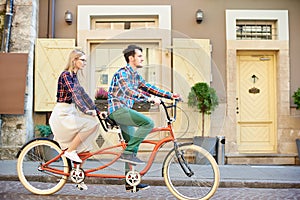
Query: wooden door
x: 256, y: 102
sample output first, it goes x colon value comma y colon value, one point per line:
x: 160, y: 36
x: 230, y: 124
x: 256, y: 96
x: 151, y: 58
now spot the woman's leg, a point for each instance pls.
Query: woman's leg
x: 80, y: 137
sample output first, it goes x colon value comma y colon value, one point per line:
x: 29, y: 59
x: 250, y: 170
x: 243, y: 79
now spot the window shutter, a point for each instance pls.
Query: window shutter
x: 50, y: 59
x: 191, y: 64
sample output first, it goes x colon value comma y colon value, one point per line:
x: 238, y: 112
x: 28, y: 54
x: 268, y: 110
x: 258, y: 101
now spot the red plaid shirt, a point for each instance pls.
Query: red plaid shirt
x: 70, y: 91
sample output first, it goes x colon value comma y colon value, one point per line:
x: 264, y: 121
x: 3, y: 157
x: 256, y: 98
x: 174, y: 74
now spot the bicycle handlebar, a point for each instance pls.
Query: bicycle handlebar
x: 174, y: 105
x: 106, y: 122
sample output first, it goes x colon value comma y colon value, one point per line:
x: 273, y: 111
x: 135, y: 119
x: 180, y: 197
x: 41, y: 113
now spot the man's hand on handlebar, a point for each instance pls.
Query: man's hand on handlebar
x: 176, y: 96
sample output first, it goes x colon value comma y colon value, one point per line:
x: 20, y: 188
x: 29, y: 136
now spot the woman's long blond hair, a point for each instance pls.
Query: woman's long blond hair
x: 75, y: 54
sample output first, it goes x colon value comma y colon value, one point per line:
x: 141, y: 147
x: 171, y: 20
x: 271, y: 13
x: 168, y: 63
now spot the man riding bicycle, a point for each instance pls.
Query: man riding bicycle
x: 126, y: 87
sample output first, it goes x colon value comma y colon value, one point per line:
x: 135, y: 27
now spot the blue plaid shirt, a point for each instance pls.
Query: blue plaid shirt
x: 127, y: 86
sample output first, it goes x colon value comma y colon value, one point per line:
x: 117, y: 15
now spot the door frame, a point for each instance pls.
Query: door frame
x: 283, y: 87
x: 118, y: 43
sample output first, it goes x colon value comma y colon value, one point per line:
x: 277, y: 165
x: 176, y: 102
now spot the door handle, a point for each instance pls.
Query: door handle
x: 237, y: 105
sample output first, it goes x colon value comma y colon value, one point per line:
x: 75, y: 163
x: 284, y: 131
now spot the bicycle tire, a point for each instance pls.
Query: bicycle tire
x: 205, y: 180
x: 31, y: 157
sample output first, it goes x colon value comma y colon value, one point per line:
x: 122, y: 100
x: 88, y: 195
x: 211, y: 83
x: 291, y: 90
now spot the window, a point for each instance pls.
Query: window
x: 256, y: 30
x: 124, y: 22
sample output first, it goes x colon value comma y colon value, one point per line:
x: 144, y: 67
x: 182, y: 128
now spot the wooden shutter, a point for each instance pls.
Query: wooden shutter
x: 191, y: 64
x: 50, y: 59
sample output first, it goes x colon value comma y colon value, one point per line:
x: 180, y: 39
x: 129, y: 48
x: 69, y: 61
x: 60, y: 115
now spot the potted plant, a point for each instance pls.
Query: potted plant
x: 296, y: 97
x: 205, y: 99
x: 101, y: 96
x: 44, y: 131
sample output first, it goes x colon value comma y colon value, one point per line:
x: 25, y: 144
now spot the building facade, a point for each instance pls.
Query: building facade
x: 245, y: 50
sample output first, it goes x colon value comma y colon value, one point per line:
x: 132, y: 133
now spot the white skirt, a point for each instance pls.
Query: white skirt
x: 66, y: 121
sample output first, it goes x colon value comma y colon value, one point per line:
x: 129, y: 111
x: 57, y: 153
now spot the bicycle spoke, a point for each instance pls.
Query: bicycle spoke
x: 30, y: 172
x: 205, y: 177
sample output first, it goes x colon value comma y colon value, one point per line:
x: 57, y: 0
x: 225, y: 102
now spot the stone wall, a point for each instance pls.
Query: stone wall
x: 17, y: 129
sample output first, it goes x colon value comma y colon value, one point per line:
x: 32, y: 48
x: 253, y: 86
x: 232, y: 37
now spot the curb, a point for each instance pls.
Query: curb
x: 160, y: 182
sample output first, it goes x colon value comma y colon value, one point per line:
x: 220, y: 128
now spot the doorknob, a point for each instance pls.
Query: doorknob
x: 237, y: 105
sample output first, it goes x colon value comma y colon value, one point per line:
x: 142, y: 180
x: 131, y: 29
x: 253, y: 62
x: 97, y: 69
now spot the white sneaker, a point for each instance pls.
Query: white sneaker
x: 82, y: 186
x: 73, y: 156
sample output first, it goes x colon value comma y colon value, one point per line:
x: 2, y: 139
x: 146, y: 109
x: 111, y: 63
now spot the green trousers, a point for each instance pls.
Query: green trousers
x: 129, y: 120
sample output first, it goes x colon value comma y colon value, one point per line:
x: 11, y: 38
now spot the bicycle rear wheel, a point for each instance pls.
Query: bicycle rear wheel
x: 32, y: 176
x: 204, y: 180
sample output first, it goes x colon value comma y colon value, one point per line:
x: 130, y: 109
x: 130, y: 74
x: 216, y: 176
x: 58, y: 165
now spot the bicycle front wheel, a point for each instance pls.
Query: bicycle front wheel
x: 202, y: 175
x: 33, y: 177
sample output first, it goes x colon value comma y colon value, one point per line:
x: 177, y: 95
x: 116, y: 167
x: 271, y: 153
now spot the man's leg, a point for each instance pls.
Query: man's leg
x: 127, y: 117
x: 127, y: 121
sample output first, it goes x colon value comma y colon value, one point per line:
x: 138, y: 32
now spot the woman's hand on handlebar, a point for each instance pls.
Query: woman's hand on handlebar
x: 91, y: 112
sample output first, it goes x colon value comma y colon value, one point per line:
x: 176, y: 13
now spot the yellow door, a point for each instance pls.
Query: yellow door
x: 256, y: 100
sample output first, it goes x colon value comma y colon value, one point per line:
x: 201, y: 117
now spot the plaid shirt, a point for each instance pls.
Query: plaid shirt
x: 70, y: 91
x: 127, y: 86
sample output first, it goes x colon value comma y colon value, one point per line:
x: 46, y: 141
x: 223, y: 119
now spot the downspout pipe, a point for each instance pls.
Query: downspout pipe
x: 51, y: 19
x: 7, y: 26
x: 6, y: 38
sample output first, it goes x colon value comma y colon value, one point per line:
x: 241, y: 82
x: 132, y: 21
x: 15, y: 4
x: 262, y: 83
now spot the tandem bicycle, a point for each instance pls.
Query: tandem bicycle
x: 185, y: 165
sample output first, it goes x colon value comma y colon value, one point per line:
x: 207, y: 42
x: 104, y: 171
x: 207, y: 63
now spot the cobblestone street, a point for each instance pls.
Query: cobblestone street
x: 14, y: 190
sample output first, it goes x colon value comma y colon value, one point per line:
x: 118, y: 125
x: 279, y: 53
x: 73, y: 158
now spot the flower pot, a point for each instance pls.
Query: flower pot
x: 298, y: 147
x: 207, y: 143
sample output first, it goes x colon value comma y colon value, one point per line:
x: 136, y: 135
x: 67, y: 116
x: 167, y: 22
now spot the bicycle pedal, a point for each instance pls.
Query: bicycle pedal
x: 132, y: 190
x: 81, y: 186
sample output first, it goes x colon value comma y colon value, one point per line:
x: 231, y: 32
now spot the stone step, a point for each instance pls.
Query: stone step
x: 269, y: 159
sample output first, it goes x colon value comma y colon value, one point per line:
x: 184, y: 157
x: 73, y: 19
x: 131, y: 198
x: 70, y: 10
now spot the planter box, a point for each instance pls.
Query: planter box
x: 141, y: 106
x: 101, y: 104
x: 138, y: 106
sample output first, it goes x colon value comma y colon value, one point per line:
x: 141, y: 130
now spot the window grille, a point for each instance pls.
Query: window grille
x: 124, y: 22
x: 252, y: 30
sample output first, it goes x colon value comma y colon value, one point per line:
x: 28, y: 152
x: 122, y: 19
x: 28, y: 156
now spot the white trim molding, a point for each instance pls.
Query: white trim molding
x: 85, y: 12
x: 281, y: 16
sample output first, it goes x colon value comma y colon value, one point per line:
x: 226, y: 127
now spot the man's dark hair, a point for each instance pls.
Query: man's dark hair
x: 130, y: 51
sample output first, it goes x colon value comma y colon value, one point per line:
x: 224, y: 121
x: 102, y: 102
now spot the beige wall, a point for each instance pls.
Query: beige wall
x: 213, y: 28
x: 183, y: 21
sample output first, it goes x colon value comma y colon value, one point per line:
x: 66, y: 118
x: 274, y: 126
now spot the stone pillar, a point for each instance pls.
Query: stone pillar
x: 18, y: 129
